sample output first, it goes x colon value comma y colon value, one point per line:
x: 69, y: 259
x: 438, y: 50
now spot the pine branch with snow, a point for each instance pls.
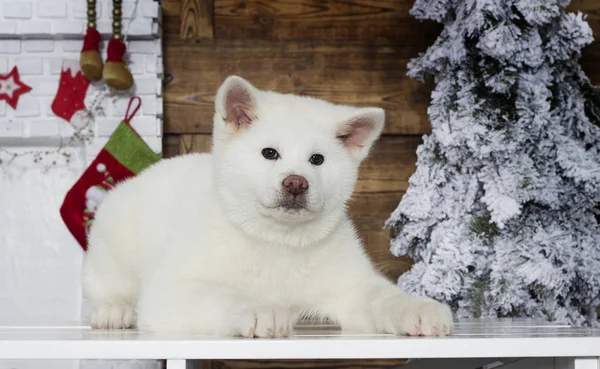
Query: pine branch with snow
x: 500, y: 215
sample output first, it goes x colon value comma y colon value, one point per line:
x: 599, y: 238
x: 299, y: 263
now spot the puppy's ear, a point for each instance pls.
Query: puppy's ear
x: 236, y: 102
x: 359, y: 131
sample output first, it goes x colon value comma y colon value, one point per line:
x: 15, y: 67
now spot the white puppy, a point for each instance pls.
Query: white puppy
x: 244, y: 240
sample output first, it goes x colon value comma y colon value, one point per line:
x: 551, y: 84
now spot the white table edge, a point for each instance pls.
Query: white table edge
x: 305, y: 348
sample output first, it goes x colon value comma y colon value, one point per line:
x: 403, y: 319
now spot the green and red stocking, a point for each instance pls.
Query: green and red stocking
x: 124, y: 156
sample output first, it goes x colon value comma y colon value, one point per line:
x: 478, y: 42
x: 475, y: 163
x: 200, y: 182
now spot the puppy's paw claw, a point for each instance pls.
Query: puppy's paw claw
x: 265, y: 322
x: 117, y: 316
x: 419, y: 316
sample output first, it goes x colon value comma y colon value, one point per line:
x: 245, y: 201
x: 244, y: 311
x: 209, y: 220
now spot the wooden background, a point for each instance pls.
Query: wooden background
x: 345, y: 51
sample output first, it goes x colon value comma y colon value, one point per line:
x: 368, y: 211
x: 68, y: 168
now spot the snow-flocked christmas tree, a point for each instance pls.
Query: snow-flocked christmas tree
x: 501, y: 214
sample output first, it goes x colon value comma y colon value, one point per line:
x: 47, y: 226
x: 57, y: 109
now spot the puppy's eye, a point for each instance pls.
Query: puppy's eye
x: 270, y: 153
x: 317, y: 159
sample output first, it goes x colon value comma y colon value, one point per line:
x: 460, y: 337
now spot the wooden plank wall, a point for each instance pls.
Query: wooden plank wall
x: 352, y: 52
x: 345, y: 51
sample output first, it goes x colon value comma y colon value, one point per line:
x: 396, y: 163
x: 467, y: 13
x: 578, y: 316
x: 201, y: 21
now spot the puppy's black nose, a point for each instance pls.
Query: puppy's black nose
x: 295, y: 185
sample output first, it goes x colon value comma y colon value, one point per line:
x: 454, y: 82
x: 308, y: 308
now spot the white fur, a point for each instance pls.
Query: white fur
x: 197, y: 243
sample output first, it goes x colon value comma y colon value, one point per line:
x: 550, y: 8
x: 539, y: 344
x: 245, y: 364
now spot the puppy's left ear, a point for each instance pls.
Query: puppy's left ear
x: 359, y: 131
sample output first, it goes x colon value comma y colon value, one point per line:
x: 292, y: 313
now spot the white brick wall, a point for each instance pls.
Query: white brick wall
x: 51, y: 9
x: 40, y: 46
x: 10, y: 46
x: 17, y: 9
x: 40, y: 271
x: 50, y: 18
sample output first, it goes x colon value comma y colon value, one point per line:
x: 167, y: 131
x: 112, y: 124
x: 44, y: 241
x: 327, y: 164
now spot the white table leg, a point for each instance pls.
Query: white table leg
x: 587, y: 363
x: 578, y: 363
x: 179, y: 364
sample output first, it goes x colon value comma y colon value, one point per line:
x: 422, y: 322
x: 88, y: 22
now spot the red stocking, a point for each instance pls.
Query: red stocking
x: 71, y: 92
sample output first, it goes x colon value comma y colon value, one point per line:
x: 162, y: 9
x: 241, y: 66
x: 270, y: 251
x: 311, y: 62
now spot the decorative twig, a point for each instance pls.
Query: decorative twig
x: 83, y: 134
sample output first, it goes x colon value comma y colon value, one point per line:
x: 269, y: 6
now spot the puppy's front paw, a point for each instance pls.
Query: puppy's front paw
x: 266, y: 322
x: 418, y: 316
x: 115, y: 316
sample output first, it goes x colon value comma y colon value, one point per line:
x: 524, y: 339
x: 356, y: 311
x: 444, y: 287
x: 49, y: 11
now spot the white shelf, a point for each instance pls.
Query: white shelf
x: 472, y: 339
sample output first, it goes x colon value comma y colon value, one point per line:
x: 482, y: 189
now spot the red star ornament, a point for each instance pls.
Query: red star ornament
x: 11, y: 87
